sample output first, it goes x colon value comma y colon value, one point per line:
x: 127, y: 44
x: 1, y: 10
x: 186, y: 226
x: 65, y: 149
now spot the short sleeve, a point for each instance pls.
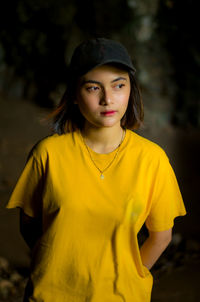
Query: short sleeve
x: 167, y: 202
x: 27, y: 194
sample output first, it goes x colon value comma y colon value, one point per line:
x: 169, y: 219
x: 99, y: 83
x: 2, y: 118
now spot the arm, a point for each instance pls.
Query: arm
x: 154, y: 246
x: 30, y: 228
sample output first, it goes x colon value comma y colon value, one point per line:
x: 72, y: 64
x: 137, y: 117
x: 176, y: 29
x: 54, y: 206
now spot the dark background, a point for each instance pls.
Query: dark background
x: 37, y: 39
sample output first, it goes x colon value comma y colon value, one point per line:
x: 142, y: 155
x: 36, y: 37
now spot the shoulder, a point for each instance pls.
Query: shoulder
x: 51, y: 144
x: 146, y: 148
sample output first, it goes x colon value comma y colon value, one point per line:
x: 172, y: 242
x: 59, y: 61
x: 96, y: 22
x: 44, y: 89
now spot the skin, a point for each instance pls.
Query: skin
x: 103, y: 89
x: 154, y: 246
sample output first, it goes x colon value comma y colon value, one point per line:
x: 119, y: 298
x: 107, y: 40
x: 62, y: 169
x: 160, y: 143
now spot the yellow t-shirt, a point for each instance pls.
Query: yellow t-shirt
x: 89, y: 249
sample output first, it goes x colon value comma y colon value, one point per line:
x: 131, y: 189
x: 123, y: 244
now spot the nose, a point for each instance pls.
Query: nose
x: 106, y: 98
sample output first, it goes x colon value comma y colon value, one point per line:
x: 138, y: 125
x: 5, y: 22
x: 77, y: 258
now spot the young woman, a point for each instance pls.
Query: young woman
x: 87, y: 190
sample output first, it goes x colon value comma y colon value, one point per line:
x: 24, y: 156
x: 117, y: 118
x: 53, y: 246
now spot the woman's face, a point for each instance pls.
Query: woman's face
x: 103, y: 95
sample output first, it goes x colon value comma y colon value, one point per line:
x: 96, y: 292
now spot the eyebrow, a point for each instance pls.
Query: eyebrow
x: 99, y: 83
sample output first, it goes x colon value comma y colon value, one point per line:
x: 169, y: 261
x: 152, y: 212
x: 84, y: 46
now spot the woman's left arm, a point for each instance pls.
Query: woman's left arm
x: 154, y: 246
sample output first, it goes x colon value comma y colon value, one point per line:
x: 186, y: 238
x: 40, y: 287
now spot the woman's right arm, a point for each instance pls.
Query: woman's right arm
x: 30, y: 228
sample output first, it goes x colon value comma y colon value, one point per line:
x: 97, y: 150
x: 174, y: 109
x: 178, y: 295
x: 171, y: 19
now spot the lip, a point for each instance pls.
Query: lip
x: 108, y: 113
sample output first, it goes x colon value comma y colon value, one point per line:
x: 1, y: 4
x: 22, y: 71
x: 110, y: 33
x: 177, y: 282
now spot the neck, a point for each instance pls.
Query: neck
x: 103, y: 140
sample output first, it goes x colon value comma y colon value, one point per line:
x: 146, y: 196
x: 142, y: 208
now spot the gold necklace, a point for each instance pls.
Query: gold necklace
x: 106, y: 168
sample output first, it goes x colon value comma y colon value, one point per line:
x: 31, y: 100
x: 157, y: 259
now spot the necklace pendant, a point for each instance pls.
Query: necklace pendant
x: 102, y: 176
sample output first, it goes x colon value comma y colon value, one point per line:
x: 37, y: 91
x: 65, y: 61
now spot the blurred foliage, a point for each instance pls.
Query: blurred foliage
x: 34, y: 37
x: 178, y: 29
x: 101, y: 18
x: 37, y: 38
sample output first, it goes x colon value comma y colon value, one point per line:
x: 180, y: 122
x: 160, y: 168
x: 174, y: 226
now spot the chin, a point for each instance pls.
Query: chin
x: 109, y: 125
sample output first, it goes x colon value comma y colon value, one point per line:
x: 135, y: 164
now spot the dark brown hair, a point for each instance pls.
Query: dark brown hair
x: 68, y: 118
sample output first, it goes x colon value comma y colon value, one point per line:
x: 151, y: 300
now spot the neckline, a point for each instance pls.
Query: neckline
x: 102, y: 155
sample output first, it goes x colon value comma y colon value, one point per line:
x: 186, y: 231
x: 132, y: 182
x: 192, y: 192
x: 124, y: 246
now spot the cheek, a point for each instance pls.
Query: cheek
x: 86, y: 105
x: 124, y: 101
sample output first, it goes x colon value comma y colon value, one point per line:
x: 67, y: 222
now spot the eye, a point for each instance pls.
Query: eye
x: 92, y: 88
x: 120, y: 85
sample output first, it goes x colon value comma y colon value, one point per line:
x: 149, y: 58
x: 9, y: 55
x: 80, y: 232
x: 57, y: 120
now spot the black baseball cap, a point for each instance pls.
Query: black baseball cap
x: 96, y: 52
